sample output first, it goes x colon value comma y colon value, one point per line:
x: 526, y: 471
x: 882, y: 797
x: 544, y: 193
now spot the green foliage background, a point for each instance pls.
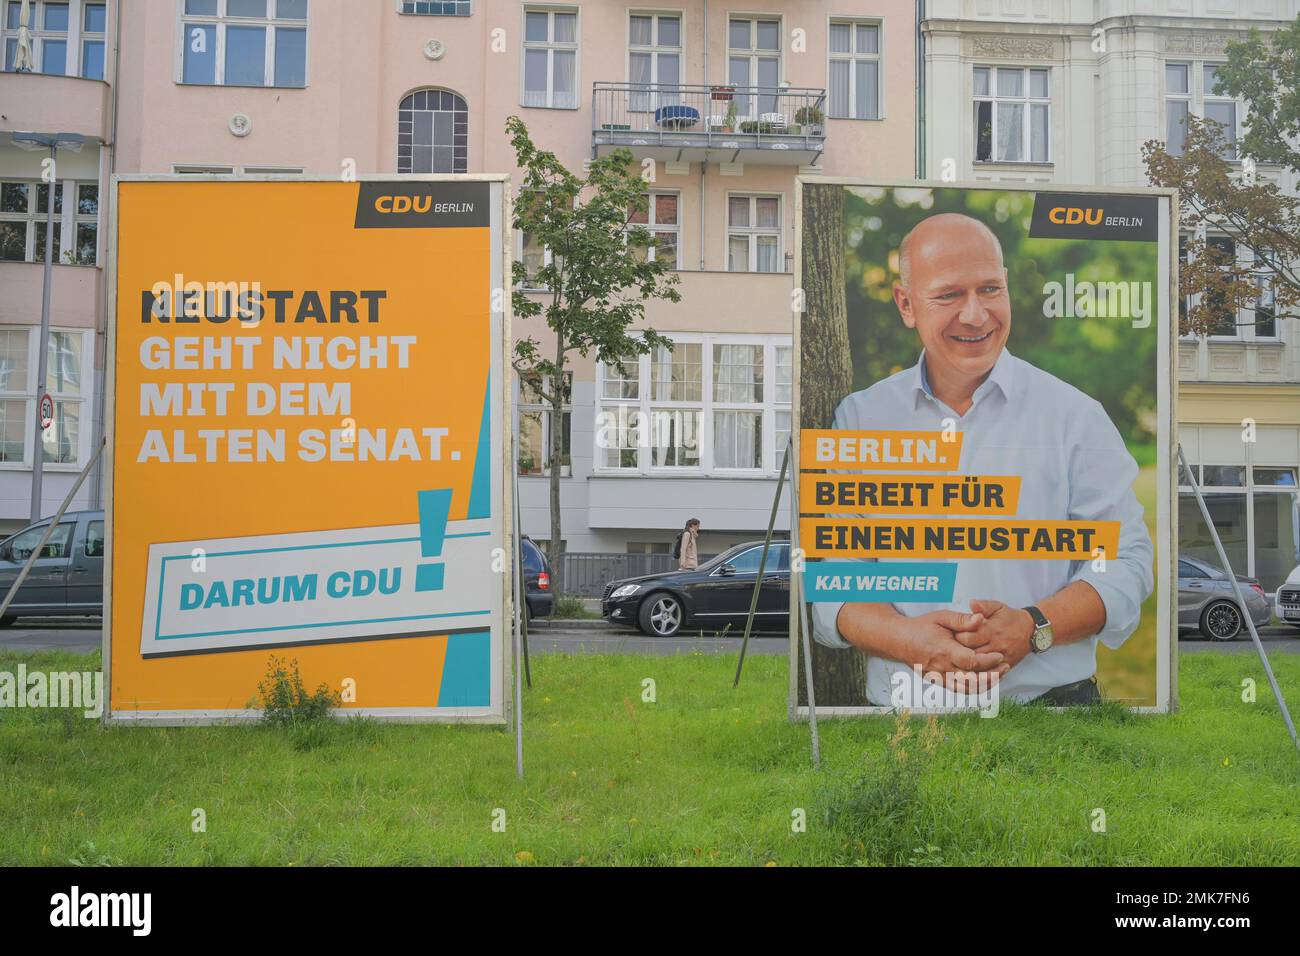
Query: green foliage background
x: 1105, y: 358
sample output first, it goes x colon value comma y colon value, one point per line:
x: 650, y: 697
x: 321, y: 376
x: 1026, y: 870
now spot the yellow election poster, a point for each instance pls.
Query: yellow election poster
x: 308, y: 396
x: 985, y: 445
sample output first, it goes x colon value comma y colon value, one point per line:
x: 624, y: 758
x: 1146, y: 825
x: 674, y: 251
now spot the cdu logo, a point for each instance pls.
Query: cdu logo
x: 388, y: 205
x: 422, y: 205
x: 1129, y: 216
x: 1073, y: 215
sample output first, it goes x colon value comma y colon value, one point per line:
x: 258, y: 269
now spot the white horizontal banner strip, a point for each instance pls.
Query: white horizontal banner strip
x: 318, y: 588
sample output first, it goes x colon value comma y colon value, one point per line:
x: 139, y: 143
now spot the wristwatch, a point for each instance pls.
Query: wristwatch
x: 1042, y: 637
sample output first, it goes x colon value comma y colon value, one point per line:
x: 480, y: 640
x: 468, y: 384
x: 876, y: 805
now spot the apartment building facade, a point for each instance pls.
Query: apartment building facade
x: 1066, y: 92
x: 68, y: 99
x: 721, y: 105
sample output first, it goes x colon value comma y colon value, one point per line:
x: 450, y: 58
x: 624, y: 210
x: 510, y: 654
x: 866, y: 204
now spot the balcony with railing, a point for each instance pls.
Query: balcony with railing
x: 719, y: 124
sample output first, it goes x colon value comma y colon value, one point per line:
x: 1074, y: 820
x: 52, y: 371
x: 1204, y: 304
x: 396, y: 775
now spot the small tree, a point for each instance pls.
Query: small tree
x: 595, y: 284
x: 1218, y: 193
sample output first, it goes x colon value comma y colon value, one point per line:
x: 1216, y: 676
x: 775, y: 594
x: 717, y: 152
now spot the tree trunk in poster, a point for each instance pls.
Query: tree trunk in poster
x: 826, y: 377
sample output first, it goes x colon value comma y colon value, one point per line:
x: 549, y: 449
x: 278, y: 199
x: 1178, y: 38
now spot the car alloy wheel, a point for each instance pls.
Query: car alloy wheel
x: 1221, y: 621
x: 661, y: 615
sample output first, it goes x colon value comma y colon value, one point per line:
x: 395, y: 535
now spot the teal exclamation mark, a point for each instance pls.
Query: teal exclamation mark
x: 434, y: 508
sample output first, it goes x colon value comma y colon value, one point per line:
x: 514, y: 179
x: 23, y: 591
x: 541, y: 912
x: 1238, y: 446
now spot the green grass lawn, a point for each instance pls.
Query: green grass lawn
x: 706, y: 775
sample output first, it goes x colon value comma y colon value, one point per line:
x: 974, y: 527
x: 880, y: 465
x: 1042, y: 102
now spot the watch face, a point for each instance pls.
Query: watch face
x: 1042, y: 638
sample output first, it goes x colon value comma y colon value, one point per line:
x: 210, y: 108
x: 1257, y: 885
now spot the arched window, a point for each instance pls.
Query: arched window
x: 432, y: 133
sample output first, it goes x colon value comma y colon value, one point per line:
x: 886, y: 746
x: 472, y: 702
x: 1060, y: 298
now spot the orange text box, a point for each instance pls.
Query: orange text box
x: 940, y: 538
x: 879, y: 450
x: 909, y: 494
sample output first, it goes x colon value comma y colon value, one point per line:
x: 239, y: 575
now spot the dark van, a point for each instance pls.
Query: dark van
x: 67, y: 580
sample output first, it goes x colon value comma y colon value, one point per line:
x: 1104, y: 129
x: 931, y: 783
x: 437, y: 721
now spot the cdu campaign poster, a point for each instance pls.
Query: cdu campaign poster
x: 308, y: 398
x: 985, y: 444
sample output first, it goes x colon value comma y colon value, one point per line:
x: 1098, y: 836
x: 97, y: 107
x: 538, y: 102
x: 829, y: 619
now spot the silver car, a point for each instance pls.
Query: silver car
x: 1288, y: 599
x: 1206, y: 602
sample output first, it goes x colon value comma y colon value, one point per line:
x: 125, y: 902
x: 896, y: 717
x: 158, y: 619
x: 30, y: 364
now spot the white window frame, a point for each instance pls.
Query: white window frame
x: 654, y: 99
x: 854, y: 58
x: 409, y: 161
x: 1194, y: 437
x: 551, y: 45
x: 75, y: 36
x: 260, y: 170
x: 1184, y: 301
x: 658, y: 406
x: 781, y: 406
x: 1026, y: 101
x: 1196, y: 97
x: 221, y: 21
x: 529, y: 285
x: 256, y: 169
x: 644, y: 404
x: 766, y: 415
x: 752, y: 231
x: 1178, y: 96
x: 85, y: 36
x: 83, y: 399
x: 202, y: 169
x: 637, y: 372
x: 753, y: 108
x: 1255, y: 334
x: 652, y: 227
x: 527, y: 407
x: 1246, y: 330
x: 1208, y: 97
x: 467, y: 4
x: 1239, y: 335
x: 22, y: 395
x: 66, y: 221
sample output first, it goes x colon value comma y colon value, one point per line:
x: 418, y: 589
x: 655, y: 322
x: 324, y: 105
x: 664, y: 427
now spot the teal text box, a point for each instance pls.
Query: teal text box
x: 911, y: 582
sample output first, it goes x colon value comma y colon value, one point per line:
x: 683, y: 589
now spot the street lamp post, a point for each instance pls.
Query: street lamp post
x: 53, y: 142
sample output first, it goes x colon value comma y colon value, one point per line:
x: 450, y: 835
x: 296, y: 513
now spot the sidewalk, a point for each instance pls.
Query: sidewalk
x: 541, y: 624
x: 592, y: 606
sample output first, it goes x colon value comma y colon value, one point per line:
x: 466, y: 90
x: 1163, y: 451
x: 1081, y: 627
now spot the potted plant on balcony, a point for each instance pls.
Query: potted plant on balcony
x: 729, y: 121
x: 810, y: 118
x: 723, y: 93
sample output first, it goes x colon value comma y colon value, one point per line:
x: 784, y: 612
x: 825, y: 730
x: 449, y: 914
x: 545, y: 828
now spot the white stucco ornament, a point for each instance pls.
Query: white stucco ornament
x: 434, y: 49
x: 240, y: 125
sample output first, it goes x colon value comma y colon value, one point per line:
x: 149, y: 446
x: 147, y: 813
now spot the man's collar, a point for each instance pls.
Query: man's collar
x: 1002, y: 377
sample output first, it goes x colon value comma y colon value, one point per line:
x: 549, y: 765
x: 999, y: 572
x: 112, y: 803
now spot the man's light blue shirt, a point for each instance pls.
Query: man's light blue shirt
x: 1073, y: 466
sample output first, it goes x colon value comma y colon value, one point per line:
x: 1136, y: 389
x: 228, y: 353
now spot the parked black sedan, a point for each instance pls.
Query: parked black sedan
x: 715, y: 594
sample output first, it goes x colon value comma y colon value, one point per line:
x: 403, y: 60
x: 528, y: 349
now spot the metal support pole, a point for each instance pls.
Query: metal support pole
x: 42, y: 360
x: 805, y: 628
x: 1241, y: 600
x: 522, y: 581
x: 528, y: 670
x: 762, y: 564
x: 519, y: 710
x: 49, y: 530
x: 517, y: 589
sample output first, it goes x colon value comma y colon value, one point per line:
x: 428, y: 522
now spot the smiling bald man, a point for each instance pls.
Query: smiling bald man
x: 1032, y: 624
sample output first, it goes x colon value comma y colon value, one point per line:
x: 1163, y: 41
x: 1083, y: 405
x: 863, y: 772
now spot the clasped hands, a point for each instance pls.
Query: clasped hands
x: 958, y: 647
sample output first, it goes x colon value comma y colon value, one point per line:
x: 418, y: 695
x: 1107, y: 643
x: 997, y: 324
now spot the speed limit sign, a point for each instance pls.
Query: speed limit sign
x: 47, y: 411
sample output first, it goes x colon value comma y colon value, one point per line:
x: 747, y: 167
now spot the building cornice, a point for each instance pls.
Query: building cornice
x: 1194, y: 26
x: 1203, y: 389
